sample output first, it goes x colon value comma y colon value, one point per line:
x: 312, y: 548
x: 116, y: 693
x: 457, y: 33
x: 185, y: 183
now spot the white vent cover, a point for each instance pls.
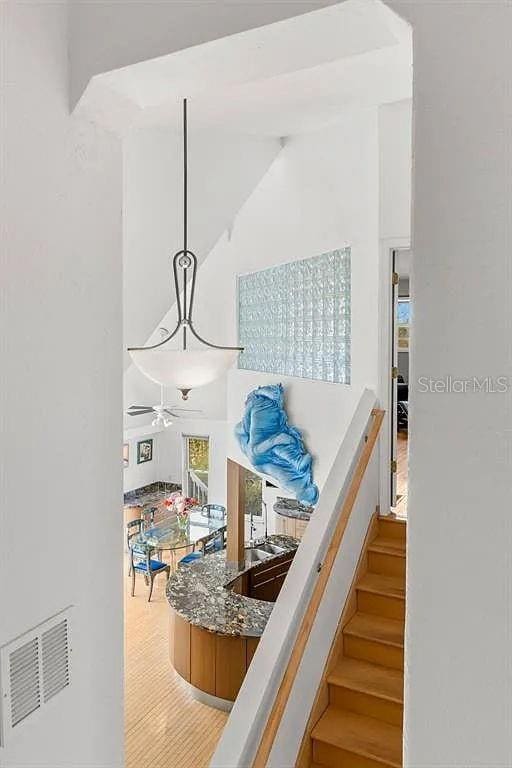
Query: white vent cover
x: 34, y: 668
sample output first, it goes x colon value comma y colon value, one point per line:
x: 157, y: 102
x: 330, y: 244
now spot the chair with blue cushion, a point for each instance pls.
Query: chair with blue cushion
x: 214, y: 543
x: 133, y: 528
x: 207, y: 546
x: 141, y: 561
x: 213, y: 511
x: 192, y: 557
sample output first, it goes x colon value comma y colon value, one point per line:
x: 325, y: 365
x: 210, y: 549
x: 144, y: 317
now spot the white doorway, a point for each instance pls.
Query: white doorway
x: 196, y: 465
x: 394, y: 292
x: 400, y: 323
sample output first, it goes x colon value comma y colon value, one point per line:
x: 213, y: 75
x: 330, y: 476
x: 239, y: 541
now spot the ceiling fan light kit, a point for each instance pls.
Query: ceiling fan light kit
x: 161, y: 411
x: 184, y: 368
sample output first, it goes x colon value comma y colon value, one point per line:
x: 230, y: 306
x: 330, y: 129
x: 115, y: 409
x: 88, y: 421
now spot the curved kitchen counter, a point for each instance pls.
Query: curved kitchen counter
x: 201, y: 593
x: 215, y: 623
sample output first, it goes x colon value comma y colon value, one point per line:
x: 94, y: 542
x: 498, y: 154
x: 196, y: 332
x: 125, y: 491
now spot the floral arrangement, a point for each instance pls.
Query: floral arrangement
x: 181, y: 505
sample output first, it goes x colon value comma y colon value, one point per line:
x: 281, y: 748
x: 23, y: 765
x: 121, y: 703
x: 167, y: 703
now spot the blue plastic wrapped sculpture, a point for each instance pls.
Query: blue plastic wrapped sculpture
x: 272, y: 446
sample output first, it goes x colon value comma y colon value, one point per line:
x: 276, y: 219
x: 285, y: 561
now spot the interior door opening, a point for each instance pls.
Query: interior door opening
x: 195, y: 467
x: 401, y: 321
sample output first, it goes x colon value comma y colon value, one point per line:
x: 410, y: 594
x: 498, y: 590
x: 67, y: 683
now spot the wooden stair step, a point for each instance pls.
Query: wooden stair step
x: 377, y: 629
x: 360, y: 735
x: 381, y: 584
x: 372, y: 679
x: 392, y: 527
x: 387, y: 546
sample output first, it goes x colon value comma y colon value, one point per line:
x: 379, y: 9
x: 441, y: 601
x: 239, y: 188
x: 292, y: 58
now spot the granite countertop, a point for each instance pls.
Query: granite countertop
x: 149, y: 494
x: 200, y: 594
x: 292, y: 508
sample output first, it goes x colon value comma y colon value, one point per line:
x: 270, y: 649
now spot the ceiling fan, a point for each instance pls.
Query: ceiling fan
x: 161, y: 411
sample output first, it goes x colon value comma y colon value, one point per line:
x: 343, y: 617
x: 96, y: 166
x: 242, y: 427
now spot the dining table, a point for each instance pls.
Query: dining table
x: 170, y: 534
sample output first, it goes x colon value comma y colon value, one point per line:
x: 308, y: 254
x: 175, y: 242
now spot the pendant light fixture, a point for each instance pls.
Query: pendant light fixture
x: 184, y: 368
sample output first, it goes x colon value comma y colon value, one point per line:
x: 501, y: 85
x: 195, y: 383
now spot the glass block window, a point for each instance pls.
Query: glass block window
x: 294, y: 319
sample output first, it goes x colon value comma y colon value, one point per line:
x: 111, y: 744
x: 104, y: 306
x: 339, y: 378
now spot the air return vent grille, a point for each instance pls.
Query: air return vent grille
x: 55, y: 660
x: 34, y: 668
x: 24, y: 681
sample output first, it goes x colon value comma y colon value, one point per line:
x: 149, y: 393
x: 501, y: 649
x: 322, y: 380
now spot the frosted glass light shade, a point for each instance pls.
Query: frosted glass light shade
x: 183, y: 369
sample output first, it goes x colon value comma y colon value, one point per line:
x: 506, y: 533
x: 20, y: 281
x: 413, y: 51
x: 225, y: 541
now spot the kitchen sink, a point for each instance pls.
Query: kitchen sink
x: 256, y: 554
x: 262, y: 551
x: 272, y: 549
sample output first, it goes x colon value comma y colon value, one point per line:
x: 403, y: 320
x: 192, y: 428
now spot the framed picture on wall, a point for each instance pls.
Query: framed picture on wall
x: 403, y: 324
x: 144, y: 451
x: 126, y: 455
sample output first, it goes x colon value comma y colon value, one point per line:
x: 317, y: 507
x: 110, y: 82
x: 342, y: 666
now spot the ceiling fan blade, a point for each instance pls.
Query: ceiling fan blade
x: 138, y: 411
x: 186, y: 410
x: 140, y: 407
x: 174, y: 412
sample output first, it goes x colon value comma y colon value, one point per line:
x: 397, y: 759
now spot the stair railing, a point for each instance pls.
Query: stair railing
x: 197, y: 488
x: 324, y: 568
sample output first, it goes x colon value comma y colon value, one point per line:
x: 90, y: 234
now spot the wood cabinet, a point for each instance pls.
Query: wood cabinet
x: 180, y: 645
x: 252, y: 644
x: 203, y: 655
x: 290, y: 526
x: 265, y: 581
x: 230, y: 666
x: 215, y: 664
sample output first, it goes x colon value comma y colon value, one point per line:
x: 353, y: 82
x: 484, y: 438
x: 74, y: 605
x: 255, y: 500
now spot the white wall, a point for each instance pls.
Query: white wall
x: 138, y: 475
x: 395, y: 159
x: 458, y: 706
x: 61, y: 478
x: 321, y: 193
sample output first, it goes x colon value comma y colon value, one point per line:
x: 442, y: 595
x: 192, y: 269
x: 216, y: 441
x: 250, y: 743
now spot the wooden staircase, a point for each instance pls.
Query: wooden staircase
x: 361, y: 726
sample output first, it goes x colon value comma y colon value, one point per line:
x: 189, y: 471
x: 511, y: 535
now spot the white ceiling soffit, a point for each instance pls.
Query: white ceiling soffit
x: 301, y: 101
x: 315, y: 57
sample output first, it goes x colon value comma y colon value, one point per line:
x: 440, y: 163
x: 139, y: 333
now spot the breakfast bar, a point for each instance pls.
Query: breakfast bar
x: 219, y: 610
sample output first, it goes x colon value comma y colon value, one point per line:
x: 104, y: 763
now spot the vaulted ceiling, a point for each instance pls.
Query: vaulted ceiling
x: 245, y: 93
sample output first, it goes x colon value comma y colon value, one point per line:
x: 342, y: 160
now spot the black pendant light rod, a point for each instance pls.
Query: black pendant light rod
x: 185, y: 212
x: 185, y: 260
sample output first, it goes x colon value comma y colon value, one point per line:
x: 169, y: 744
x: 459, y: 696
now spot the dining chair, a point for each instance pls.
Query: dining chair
x: 148, y: 516
x: 132, y: 529
x: 192, y: 557
x: 207, y: 546
x: 213, y: 511
x: 212, y: 543
x: 142, y: 562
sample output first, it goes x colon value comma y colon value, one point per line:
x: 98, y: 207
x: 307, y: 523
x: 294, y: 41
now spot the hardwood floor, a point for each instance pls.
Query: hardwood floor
x: 164, y: 726
x: 402, y: 461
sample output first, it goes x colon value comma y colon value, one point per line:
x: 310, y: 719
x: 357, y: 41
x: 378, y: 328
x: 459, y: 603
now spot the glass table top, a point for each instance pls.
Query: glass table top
x: 168, y: 534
